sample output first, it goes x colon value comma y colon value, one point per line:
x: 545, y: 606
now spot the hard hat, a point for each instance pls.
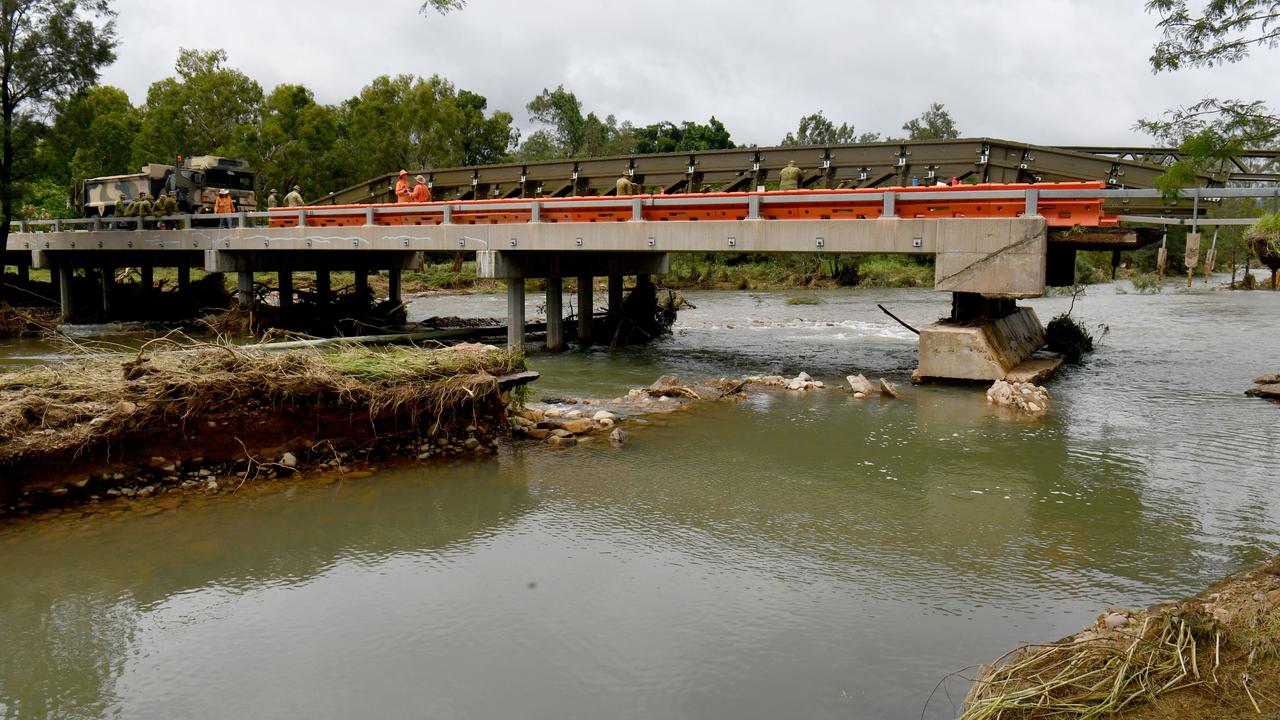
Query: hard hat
x: 404, y: 172
x: 420, y: 179
x: 224, y: 191
x: 297, y: 187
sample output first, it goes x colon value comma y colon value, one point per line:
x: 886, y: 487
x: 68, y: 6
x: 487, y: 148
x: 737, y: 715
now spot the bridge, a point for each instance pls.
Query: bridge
x: 994, y: 243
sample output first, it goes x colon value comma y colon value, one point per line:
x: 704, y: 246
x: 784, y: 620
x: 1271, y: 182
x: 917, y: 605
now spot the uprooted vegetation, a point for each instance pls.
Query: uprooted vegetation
x: 1215, y: 655
x: 219, y: 401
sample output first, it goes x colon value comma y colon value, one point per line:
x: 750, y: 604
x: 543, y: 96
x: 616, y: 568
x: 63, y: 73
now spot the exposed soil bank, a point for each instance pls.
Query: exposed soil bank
x: 200, y: 418
x: 1214, y: 655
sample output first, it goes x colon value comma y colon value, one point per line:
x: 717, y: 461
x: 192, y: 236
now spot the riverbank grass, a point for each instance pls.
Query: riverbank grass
x: 93, y: 400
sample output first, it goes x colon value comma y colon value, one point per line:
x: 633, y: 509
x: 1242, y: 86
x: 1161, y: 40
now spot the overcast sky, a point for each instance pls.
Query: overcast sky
x: 1038, y: 71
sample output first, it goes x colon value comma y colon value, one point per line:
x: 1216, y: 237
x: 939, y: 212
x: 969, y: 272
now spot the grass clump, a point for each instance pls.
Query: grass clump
x: 1068, y: 337
x: 803, y: 300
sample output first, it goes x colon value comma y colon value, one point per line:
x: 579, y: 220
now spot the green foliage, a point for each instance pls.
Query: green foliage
x: 295, y: 142
x: 92, y: 135
x: 816, y: 129
x: 788, y: 270
x: 803, y: 300
x: 206, y: 109
x: 1146, y: 283
x: 687, y: 136
x: 1222, y: 31
x: 933, y: 124
x: 1068, y: 337
x: 569, y: 133
x: 1266, y: 235
x: 51, y: 49
x: 444, y: 7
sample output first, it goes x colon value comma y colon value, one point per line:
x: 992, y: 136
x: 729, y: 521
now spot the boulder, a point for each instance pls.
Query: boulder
x: 1024, y: 397
x: 1271, y: 391
x: 289, y: 460
x: 604, y: 415
x: 888, y: 390
x: 860, y: 384
x: 1268, y: 379
x: 565, y: 442
x: 619, y: 437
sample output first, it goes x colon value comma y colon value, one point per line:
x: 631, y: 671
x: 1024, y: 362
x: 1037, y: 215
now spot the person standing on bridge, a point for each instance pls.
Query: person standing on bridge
x: 294, y: 198
x: 790, y: 177
x: 421, y: 191
x: 626, y: 186
x: 272, y: 200
x: 122, y: 206
x: 403, y: 193
x: 224, y: 205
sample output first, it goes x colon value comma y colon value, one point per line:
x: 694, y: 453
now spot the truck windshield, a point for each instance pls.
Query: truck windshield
x: 228, y: 179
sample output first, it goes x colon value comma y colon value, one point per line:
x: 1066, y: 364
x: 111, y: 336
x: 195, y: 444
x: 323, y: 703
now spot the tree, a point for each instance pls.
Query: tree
x: 50, y: 48
x: 816, y: 129
x: 933, y: 124
x: 568, y: 133
x: 688, y: 136
x: 92, y: 135
x: 1209, y: 131
x: 295, y: 142
x: 444, y: 7
x: 204, y: 110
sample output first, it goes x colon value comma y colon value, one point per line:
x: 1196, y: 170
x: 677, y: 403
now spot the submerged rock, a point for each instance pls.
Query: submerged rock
x: 1025, y: 397
x: 887, y: 389
x: 619, y: 437
x: 860, y: 384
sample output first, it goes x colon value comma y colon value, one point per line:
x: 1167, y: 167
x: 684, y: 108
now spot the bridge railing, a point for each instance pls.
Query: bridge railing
x: 886, y: 202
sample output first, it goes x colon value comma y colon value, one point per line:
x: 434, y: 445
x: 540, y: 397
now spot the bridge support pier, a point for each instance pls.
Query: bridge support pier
x: 515, y: 314
x: 108, y: 280
x: 615, y: 295
x: 62, y: 278
x: 362, y: 282
x: 324, y: 286
x: 985, y: 339
x: 395, y: 286
x: 555, y: 314
x: 148, y: 279
x: 184, y: 278
x: 284, y: 287
x: 586, y: 307
x: 244, y: 289
x: 24, y: 273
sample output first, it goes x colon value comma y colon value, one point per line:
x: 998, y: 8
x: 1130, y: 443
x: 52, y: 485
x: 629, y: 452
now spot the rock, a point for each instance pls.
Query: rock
x: 578, y: 426
x: 560, y: 432
x: 424, y: 456
x: 1271, y: 391
x: 1268, y: 379
x: 146, y: 491
x: 168, y: 467
x: 472, y: 443
x: 128, y: 492
x: 1114, y: 620
x: 551, y: 413
x: 158, y: 461
x: 59, y: 491
x: 532, y: 415
x: 604, y: 415
x: 804, y: 377
x: 81, y: 484
x: 211, y: 486
x: 289, y: 460
x: 605, y: 424
x: 113, y: 492
x: 887, y: 389
x: 117, y: 477
x: 860, y: 384
x: 471, y: 429
x: 443, y: 442
x: 619, y: 437
x: 573, y: 414
x: 1024, y: 397
x: 538, y: 433
x: 565, y: 442
x: 796, y: 384
x: 859, y: 395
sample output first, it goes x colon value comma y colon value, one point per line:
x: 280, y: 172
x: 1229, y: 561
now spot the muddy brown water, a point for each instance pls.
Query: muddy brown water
x: 789, y: 556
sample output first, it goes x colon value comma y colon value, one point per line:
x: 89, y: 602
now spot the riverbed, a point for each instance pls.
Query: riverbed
x: 792, y: 555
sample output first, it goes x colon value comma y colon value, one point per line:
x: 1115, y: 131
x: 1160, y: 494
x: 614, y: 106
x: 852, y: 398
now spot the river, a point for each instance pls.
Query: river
x: 791, y: 556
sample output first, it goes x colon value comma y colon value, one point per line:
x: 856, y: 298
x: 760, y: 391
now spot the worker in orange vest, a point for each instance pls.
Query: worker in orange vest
x: 224, y: 205
x: 421, y: 191
x: 403, y: 193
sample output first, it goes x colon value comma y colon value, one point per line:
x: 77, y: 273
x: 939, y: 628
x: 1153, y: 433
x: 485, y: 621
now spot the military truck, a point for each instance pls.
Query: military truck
x: 198, y: 181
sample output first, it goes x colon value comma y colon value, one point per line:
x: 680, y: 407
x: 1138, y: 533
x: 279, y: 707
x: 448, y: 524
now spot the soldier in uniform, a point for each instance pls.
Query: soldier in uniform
x: 790, y: 177
x: 142, y: 209
x: 272, y: 200
x: 626, y: 187
x: 294, y: 198
x: 122, y: 206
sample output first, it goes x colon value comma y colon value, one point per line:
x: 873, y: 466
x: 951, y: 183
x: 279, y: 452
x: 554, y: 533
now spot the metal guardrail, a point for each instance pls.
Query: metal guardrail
x: 1031, y: 197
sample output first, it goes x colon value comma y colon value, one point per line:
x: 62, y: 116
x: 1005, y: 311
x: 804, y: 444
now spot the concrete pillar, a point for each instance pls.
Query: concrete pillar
x: 643, y: 280
x: 615, y: 295
x: 586, y: 307
x: 362, y: 282
x: 184, y: 278
x: 515, y: 314
x: 555, y: 313
x: 148, y: 279
x: 108, y: 281
x: 395, y: 290
x: 62, y: 278
x: 285, y: 288
x: 324, y: 285
x: 244, y: 293
x: 24, y: 273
